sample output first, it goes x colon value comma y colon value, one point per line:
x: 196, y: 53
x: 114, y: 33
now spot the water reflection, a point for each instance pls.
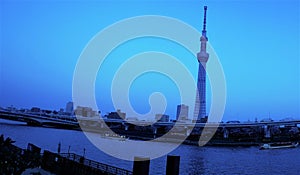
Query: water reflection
x: 193, y: 160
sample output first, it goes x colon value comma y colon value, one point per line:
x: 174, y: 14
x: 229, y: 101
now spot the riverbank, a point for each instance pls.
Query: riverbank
x: 234, y: 137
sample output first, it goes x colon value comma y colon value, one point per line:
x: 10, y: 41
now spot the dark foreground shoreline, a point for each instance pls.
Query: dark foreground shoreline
x: 15, y: 160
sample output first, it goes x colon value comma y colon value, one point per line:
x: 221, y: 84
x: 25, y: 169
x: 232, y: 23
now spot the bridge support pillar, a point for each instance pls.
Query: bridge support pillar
x: 188, y: 132
x: 102, y: 125
x: 225, y: 133
x: 126, y: 127
x: 154, y: 131
x: 267, y: 131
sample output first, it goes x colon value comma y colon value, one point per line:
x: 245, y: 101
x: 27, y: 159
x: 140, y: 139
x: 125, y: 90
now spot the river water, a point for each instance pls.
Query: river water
x: 193, y: 160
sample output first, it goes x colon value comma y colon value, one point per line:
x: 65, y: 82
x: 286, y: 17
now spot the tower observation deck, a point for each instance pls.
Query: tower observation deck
x: 202, y: 56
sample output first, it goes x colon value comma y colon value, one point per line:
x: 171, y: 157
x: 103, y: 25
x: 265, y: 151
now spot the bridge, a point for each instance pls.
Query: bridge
x: 37, y: 120
x: 148, y: 130
x: 153, y: 129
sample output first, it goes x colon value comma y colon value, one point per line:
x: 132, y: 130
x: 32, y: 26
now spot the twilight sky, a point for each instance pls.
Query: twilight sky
x: 257, y: 42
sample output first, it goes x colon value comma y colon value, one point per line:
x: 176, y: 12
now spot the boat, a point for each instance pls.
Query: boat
x: 279, y: 145
x: 123, y: 138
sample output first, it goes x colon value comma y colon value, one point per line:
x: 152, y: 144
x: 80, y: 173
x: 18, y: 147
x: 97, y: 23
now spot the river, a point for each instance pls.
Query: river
x: 193, y: 160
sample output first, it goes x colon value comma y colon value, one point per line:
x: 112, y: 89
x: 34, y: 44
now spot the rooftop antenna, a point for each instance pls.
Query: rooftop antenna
x: 204, y: 23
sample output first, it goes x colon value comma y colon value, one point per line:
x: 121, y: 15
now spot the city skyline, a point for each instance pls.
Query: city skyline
x: 259, y: 52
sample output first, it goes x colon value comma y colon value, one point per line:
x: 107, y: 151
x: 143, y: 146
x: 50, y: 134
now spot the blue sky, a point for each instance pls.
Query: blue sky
x: 257, y: 42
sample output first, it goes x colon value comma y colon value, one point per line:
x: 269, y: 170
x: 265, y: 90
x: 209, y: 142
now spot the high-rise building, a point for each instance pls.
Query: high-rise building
x: 200, y: 104
x: 162, y: 118
x: 182, y: 112
x: 69, y: 107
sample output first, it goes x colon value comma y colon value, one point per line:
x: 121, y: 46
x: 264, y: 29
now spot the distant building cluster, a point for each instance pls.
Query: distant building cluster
x: 70, y: 112
x: 85, y: 112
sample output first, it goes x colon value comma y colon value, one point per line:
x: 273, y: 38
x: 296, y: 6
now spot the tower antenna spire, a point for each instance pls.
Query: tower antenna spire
x: 204, y: 22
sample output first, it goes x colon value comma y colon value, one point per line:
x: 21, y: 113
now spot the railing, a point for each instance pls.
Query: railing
x: 93, y: 164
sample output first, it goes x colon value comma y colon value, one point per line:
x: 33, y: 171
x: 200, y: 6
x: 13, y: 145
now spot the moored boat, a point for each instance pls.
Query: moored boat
x: 279, y: 145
